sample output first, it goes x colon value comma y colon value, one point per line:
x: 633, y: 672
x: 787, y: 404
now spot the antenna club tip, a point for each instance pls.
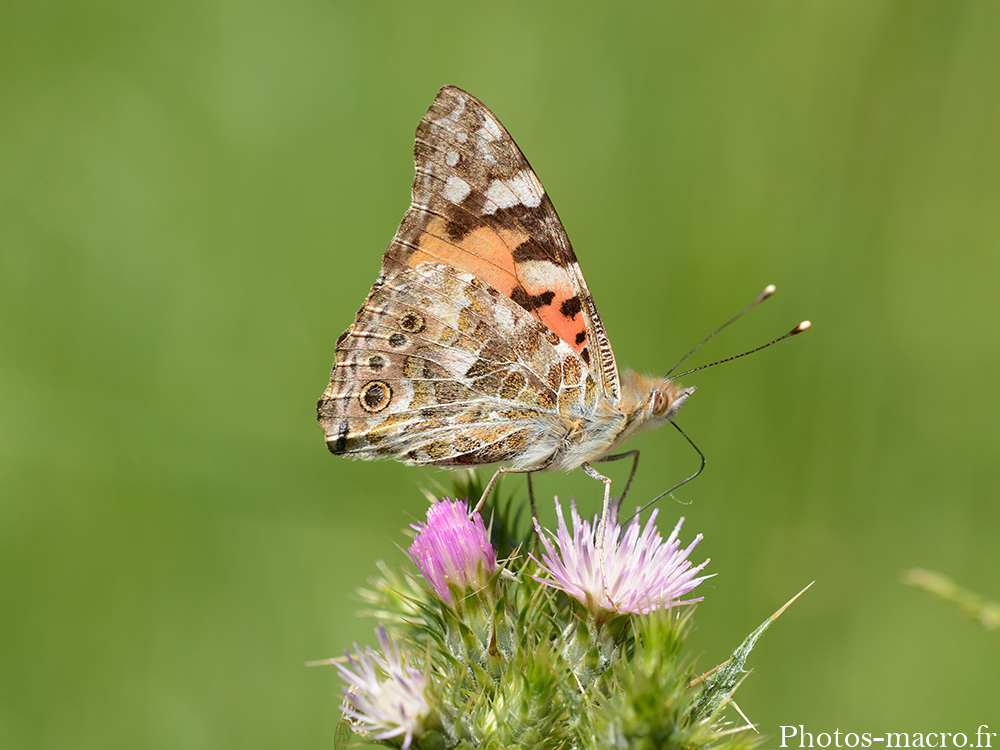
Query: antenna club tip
x: 769, y: 290
x: 805, y: 325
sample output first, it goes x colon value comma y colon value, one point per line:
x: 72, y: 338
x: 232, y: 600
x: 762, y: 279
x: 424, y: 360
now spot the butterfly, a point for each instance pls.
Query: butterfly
x: 480, y: 343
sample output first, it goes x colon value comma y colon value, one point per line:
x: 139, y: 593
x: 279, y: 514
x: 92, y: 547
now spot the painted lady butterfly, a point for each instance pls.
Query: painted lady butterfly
x: 479, y: 343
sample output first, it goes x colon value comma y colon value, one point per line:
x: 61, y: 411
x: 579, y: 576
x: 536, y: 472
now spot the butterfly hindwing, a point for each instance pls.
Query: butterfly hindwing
x: 439, y: 368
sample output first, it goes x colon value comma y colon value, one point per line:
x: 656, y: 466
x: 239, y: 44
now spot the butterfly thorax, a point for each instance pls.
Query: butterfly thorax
x: 587, y: 436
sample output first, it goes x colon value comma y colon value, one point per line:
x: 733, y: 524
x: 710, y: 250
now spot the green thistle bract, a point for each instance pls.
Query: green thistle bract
x: 580, y: 647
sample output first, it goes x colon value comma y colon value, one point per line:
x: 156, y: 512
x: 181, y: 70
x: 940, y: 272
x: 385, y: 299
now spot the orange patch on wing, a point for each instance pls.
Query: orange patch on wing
x: 570, y: 329
x: 488, y: 254
x: 484, y: 253
x: 564, y: 314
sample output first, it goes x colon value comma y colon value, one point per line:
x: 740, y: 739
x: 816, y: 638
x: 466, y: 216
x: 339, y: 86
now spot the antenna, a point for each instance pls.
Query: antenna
x: 805, y: 325
x: 768, y: 291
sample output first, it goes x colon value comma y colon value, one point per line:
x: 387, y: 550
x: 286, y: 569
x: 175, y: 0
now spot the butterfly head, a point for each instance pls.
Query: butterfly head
x: 652, y: 401
x: 664, y: 401
x: 667, y: 399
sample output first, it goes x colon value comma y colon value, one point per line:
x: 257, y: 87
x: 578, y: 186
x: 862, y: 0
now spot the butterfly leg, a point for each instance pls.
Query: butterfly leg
x: 602, y: 526
x: 631, y: 474
x: 531, y: 499
x: 595, y: 474
x: 510, y: 470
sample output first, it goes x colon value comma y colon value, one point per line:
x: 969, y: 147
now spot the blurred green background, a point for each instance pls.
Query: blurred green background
x: 194, y: 199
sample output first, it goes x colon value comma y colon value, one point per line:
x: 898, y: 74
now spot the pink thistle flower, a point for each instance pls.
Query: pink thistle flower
x: 384, y: 697
x: 638, y: 573
x: 452, y: 548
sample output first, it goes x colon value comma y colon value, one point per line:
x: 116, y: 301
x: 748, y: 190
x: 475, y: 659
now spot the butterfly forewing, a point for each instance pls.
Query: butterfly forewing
x: 439, y: 368
x: 478, y: 206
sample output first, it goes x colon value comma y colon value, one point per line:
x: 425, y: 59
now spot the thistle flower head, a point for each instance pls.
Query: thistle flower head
x: 384, y: 696
x: 453, y: 548
x: 636, y: 573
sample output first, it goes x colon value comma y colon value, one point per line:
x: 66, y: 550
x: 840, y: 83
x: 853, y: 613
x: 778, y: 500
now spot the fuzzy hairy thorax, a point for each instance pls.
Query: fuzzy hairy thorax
x: 645, y: 403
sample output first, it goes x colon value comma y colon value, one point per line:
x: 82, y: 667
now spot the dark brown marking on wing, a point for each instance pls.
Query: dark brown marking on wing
x: 375, y: 396
x: 531, y: 302
x: 341, y: 444
x: 570, y: 308
x: 532, y: 249
x: 411, y: 322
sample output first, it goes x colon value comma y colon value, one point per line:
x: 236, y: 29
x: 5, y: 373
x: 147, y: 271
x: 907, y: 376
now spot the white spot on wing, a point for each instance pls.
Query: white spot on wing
x: 483, y: 140
x: 462, y: 137
x: 451, y: 158
x: 506, y: 323
x: 501, y: 195
x: 543, y: 274
x: 492, y: 128
x: 456, y: 189
x: 527, y: 189
x: 523, y: 189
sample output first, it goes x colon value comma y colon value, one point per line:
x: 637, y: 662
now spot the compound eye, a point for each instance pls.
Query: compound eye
x: 661, y: 402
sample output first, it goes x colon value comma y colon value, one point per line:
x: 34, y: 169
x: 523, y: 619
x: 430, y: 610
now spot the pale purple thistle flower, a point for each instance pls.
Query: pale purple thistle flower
x: 638, y: 574
x: 392, y: 706
x: 452, y: 548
